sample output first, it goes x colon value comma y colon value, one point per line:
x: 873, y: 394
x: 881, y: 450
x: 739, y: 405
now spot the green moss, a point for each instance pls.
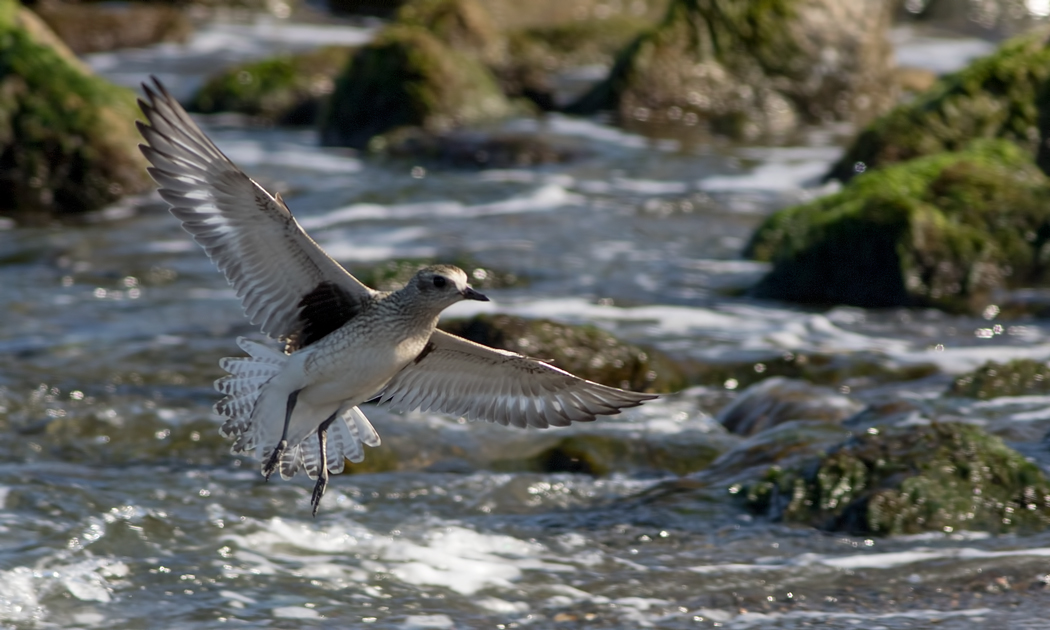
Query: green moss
x: 941, y: 477
x: 407, y: 77
x: 586, y: 351
x: 1020, y: 377
x: 283, y: 90
x: 1000, y: 96
x: 943, y: 230
x: 67, y: 138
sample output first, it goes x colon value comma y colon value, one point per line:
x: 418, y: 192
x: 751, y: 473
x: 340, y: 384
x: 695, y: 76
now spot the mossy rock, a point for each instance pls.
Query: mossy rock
x: 1020, y: 377
x: 604, y: 454
x: 1004, y: 95
x: 407, y: 77
x: 96, y: 27
x: 749, y: 68
x: 285, y: 90
x: 586, y: 351
x: 940, y: 477
x: 816, y: 368
x: 68, y: 141
x: 394, y: 274
x: 945, y: 231
x: 463, y: 25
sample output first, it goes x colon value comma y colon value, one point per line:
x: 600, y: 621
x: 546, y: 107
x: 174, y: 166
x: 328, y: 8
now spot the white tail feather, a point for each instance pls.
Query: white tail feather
x: 242, y: 386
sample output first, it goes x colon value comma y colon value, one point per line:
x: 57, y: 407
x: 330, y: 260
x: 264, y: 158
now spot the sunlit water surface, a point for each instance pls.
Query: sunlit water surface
x: 123, y: 509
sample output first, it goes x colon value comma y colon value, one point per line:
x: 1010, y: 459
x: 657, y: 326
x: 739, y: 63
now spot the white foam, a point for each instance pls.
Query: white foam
x: 772, y: 176
x: 295, y: 612
x: 543, y: 199
x: 412, y: 622
x: 580, y: 127
x: 937, y: 54
x: 23, y: 588
x: 886, y: 560
x: 296, y: 156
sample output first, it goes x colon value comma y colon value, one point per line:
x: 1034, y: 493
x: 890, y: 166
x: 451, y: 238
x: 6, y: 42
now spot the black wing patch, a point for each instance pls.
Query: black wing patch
x: 322, y: 311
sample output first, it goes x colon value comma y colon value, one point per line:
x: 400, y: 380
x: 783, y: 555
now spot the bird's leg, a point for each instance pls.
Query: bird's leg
x: 275, y: 456
x: 322, y: 475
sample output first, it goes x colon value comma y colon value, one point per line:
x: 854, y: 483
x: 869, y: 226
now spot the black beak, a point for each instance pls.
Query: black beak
x: 471, y: 294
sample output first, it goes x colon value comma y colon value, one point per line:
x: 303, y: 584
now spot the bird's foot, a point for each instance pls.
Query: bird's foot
x: 319, y: 488
x: 275, y: 458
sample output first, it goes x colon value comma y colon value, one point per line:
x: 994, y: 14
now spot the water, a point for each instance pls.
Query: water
x: 122, y: 507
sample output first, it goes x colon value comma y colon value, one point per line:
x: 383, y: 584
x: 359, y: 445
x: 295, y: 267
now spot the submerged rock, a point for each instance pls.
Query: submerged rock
x: 285, y: 90
x: 68, y: 141
x: 407, y: 77
x: 1000, y: 96
x: 939, y: 477
x: 467, y: 148
x: 778, y: 400
x: 945, y: 230
x: 1019, y: 377
x: 96, y: 27
x: 586, y: 351
x: 747, y: 68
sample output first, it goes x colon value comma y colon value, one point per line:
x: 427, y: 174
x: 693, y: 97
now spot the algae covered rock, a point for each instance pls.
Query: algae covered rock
x: 284, y: 90
x: 747, y: 68
x: 68, y: 141
x: 94, y: 27
x: 1000, y: 96
x: 586, y: 351
x: 939, y: 477
x: 944, y: 230
x: 407, y: 77
x: 1020, y: 377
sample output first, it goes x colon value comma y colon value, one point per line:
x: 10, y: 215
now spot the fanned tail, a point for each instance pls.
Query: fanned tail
x: 242, y: 386
x: 346, y: 437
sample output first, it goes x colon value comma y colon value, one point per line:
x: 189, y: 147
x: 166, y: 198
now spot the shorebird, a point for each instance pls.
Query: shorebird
x: 343, y: 343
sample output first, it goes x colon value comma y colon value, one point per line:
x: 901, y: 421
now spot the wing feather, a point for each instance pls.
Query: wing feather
x: 464, y: 378
x: 250, y: 235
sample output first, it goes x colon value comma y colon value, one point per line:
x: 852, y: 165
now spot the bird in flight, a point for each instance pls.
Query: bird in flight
x: 344, y: 343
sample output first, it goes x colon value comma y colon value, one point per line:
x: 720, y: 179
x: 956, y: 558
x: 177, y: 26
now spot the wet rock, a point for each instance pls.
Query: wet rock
x: 393, y: 274
x: 778, y: 400
x: 407, y: 77
x: 95, y: 27
x: 68, y: 142
x: 463, y: 25
x: 1019, y: 377
x: 945, y: 231
x: 586, y: 351
x: 466, y: 148
x: 939, y: 477
x: 285, y: 90
x: 603, y: 454
x: 1000, y: 96
x: 752, y: 68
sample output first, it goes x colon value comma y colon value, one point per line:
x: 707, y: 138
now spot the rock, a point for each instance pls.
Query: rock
x: 586, y: 351
x: 1019, y: 377
x: 95, y: 27
x: 748, y: 68
x: 407, y: 77
x: 945, y: 231
x: 393, y: 274
x: 631, y: 453
x: 284, y: 90
x: 778, y: 400
x: 1000, y: 96
x: 466, y: 148
x: 463, y: 25
x: 68, y: 142
x: 940, y: 477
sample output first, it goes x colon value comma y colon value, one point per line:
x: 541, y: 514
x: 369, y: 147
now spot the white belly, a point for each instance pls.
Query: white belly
x: 354, y: 374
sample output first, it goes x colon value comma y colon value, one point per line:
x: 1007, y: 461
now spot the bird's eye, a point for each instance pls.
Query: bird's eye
x: 440, y: 282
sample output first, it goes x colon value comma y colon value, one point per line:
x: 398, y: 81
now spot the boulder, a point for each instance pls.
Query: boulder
x: 407, y: 77
x: 96, y: 27
x: 944, y: 231
x: 905, y: 480
x: 748, y: 68
x: 284, y: 90
x: 1004, y: 95
x: 586, y: 351
x: 68, y: 141
x: 1020, y: 377
x: 778, y: 400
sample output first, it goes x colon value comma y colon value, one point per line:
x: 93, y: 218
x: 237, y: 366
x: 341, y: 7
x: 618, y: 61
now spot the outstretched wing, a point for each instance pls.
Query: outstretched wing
x: 459, y: 377
x: 288, y: 286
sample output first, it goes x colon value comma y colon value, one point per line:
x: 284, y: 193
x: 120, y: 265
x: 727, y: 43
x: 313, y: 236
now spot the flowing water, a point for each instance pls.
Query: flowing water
x: 122, y: 508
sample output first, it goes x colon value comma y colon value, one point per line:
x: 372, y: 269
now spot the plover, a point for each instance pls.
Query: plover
x: 344, y: 343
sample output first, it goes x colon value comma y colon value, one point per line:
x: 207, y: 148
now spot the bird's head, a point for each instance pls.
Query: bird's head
x: 444, y: 285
